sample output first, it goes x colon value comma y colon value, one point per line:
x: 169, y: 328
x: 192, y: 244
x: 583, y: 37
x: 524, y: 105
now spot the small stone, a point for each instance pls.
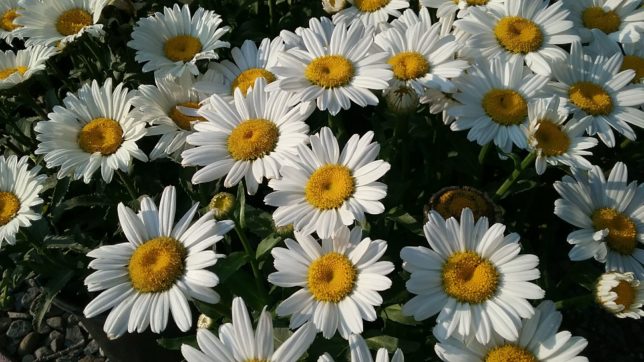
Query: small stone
x: 28, y: 358
x: 18, y: 328
x: 29, y: 296
x: 5, y: 322
x: 42, y: 352
x: 17, y: 315
x: 73, y: 336
x: 91, y: 348
x: 55, y: 322
x: 29, y: 343
x: 56, y: 341
x: 43, y: 329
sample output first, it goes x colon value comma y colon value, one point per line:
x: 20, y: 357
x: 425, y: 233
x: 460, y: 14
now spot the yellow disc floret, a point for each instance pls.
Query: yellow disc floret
x: 181, y: 48
x: 622, y: 232
x: 331, y: 277
x: 157, y: 264
x: 184, y: 121
x: 551, y: 139
x: 595, y: 17
x: 591, y: 98
x: 222, y: 204
x: 72, y: 21
x: 509, y: 353
x: 451, y: 203
x: 635, y: 63
x: 246, y: 79
x: 7, y: 72
x: 506, y: 107
x: 518, y: 35
x: 329, y: 71
x: 408, y: 65
x: 625, y: 294
x: 103, y: 135
x: 469, y: 278
x: 7, y: 18
x: 329, y: 187
x: 9, y: 207
x: 369, y: 6
x: 253, y: 139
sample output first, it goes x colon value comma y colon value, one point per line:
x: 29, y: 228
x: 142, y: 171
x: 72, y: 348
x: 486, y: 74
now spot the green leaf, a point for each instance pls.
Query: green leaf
x: 388, y: 342
x: 258, y: 222
x: 267, y: 244
x: 65, y: 242
x: 227, y: 266
x: 51, y: 289
x: 62, y: 186
x: 175, y: 343
x: 91, y: 200
x: 394, y: 313
x: 241, y: 198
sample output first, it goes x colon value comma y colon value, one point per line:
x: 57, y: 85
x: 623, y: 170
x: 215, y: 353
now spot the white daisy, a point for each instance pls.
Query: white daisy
x: 323, y: 188
x: 17, y: 67
x: 19, y: 188
x: 474, y: 277
x: 8, y: 14
x: 621, y: 20
x: 446, y: 8
x: 249, y: 139
x: 633, y: 53
x: 621, y: 294
x: 610, y: 215
x: 95, y: 128
x: 339, y: 280
x: 554, y: 140
x: 494, y: 99
x: 538, y: 341
x: 238, y: 342
x: 337, y: 74
x: 58, y: 22
x: 596, y: 89
x: 172, y: 42
x: 360, y: 352
x: 323, y: 27
x: 370, y: 12
x: 439, y: 102
x: 160, y: 268
x: 524, y: 29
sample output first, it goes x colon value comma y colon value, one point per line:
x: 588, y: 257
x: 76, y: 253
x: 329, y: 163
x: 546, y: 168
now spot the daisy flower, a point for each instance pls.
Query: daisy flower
x: 633, y: 53
x: 450, y: 202
x: 446, y: 8
x: 621, y: 20
x: 338, y: 279
x: 17, y: 67
x: 160, y: 268
x: 473, y: 275
x: 439, y: 102
x: 337, y: 74
x: 538, y: 341
x: 554, y: 140
x: 8, y: 14
x: 238, y: 342
x: 360, y: 352
x: 370, y: 12
x: 494, y: 101
x: 609, y: 214
x: 524, y: 29
x: 323, y: 188
x: 172, y: 42
x: 58, y: 22
x: 95, y: 129
x: 19, y: 188
x: 597, y: 90
x: 400, y: 98
x: 621, y: 294
x: 322, y: 27
x: 247, y: 139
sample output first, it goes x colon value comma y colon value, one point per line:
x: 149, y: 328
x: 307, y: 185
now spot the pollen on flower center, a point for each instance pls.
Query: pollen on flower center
x: 103, y: 135
x: 595, y: 17
x: 369, y: 6
x: 506, y: 107
x: 408, y: 65
x: 625, y: 294
x: 184, y: 121
x: 329, y: 71
x: 72, y: 21
x: 329, y: 187
x: 253, y: 139
x: 331, y: 277
x: 181, y: 48
x: 591, y: 98
x: 518, y: 35
x: 157, y: 264
x: 246, y: 79
x: 7, y: 72
x: 551, y: 139
x: 622, y: 232
x: 469, y: 278
x: 7, y: 18
x: 9, y: 207
x: 635, y: 63
x: 509, y: 352
x: 451, y: 203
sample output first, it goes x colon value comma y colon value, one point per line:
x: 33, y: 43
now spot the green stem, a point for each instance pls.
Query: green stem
x: 128, y: 184
x: 271, y: 15
x: 514, y: 176
x: 578, y: 301
x: 253, y: 261
x: 484, y: 151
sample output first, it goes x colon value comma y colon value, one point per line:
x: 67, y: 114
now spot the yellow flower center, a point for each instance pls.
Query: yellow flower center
x: 184, y: 121
x: 7, y: 72
x: 331, y: 277
x: 622, y: 232
x: 9, y: 207
x: 246, y: 79
x: 452, y: 202
x: 595, y: 17
x: 253, y: 139
x: 369, y: 6
x: 222, y: 204
x: 505, y: 106
x: 518, y: 35
x: 72, y: 21
x: 637, y: 64
x: 329, y: 187
x: 103, y: 135
x: 469, y: 278
x: 473, y: 2
x: 625, y: 294
x: 591, y: 98
x: 181, y: 48
x: 157, y: 264
x: 408, y: 65
x: 7, y: 18
x: 329, y: 71
x: 509, y: 353
x: 551, y: 139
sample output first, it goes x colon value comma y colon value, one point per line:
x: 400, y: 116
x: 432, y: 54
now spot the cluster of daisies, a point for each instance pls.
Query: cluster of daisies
x: 518, y: 74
